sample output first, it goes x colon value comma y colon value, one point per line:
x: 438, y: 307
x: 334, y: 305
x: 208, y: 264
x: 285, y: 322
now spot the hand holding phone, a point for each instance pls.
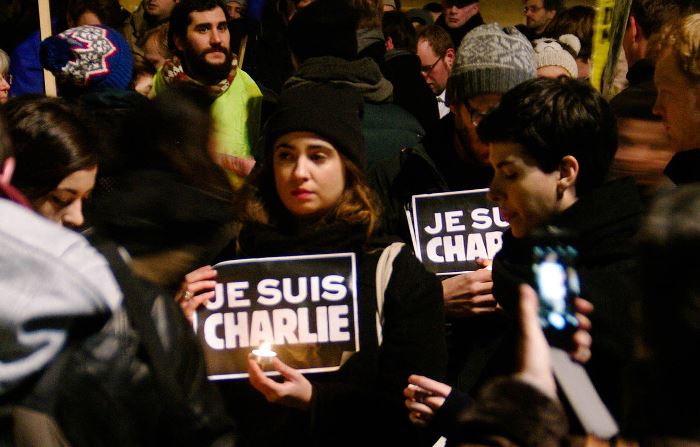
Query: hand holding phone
x: 557, y: 285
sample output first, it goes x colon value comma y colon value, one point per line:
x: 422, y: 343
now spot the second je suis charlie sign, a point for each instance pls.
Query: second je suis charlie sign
x: 451, y: 230
x: 305, y: 306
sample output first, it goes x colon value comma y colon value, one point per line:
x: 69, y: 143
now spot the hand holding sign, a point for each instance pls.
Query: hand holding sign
x: 294, y: 390
x: 305, y: 305
x: 196, y: 289
x: 469, y: 294
x: 452, y: 230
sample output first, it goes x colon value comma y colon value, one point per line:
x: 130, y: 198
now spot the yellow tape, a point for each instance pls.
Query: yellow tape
x: 601, y: 39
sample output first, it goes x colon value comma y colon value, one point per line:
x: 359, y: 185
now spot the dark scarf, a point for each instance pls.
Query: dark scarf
x: 174, y: 73
x: 684, y: 167
x: 601, y: 223
x: 185, y: 214
x: 363, y: 75
x: 262, y: 240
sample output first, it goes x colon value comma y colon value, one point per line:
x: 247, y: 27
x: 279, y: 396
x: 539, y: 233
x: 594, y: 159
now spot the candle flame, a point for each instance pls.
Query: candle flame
x: 265, y: 347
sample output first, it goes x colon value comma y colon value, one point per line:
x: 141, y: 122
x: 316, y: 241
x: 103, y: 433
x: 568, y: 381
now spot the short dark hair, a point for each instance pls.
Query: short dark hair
x: 552, y: 118
x: 50, y: 142
x: 180, y: 17
x: 439, y: 40
x: 553, y: 5
x: 577, y: 20
x: 651, y: 15
x: 109, y: 12
x: 395, y: 24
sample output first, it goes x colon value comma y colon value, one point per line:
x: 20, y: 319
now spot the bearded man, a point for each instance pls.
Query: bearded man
x: 199, y: 38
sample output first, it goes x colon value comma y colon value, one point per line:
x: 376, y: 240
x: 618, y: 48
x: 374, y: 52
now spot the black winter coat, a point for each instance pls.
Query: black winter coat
x: 604, y: 223
x: 402, y: 69
x: 362, y: 403
x: 428, y: 168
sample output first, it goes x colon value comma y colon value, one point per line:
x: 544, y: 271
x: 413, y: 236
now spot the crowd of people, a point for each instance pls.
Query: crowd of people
x: 190, y: 132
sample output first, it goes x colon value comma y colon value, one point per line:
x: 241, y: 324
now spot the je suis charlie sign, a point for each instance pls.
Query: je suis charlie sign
x: 451, y: 230
x: 304, y: 306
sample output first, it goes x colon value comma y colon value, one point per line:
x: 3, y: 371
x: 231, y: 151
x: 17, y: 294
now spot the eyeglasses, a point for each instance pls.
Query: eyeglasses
x: 426, y: 69
x: 532, y: 8
x: 477, y: 115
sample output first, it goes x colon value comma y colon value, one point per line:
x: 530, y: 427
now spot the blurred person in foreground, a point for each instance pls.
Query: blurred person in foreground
x: 644, y: 145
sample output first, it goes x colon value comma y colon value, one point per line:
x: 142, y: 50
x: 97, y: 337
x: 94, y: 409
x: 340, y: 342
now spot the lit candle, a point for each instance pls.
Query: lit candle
x: 264, y: 355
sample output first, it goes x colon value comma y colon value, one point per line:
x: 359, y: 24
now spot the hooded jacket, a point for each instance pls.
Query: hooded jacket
x: 50, y: 277
x: 387, y: 128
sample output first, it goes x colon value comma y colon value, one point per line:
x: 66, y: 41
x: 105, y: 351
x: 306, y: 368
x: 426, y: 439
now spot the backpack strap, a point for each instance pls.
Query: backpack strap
x: 385, y: 267
x: 137, y: 302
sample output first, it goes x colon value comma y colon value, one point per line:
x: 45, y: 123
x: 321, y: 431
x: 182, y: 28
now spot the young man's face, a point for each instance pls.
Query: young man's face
x: 206, y: 49
x: 159, y: 10
x: 458, y: 12
x: 677, y: 103
x: 468, y: 115
x: 434, y: 67
x: 536, y: 16
x: 526, y: 195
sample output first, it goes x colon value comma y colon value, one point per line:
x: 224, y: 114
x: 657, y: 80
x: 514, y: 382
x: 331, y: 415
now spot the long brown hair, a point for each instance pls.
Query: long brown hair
x: 357, y: 205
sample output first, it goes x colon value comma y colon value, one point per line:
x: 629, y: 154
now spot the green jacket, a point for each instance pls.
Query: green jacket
x: 236, y: 115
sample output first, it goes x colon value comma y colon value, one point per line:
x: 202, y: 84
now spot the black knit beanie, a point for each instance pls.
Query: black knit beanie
x: 333, y: 112
x: 324, y: 28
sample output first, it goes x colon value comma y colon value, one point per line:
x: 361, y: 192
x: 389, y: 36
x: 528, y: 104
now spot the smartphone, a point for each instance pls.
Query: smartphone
x: 557, y: 283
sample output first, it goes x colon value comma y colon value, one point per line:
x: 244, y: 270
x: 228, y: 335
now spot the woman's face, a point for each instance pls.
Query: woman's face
x: 64, y: 204
x: 526, y: 195
x: 309, y: 173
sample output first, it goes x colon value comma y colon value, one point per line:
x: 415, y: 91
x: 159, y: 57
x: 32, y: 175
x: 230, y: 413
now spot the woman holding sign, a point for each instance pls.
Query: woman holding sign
x: 309, y: 196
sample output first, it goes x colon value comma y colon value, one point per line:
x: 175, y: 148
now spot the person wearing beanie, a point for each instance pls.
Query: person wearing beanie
x: 459, y: 17
x: 199, y: 37
x: 324, y: 42
x: 489, y: 62
x: 554, y: 58
x: 88, y: 58
x: 309, y: 196
x: 335, y: 116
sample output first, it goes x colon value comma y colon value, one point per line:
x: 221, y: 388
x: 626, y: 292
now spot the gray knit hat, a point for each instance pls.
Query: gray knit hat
x: 490, y: 59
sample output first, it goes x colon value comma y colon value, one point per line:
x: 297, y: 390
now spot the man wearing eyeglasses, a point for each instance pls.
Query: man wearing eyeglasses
x: 489, y: 62
x: 459, y: 17
x: 538, y: 14
x: 436, y: 54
